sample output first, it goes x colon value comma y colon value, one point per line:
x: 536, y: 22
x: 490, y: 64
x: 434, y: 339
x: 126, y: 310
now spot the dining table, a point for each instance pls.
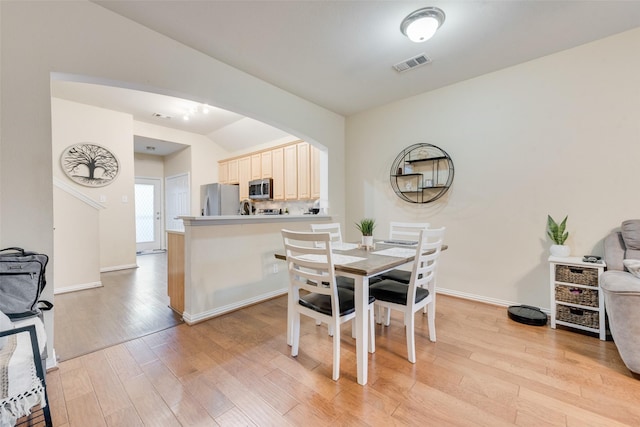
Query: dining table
x: 362, y: 264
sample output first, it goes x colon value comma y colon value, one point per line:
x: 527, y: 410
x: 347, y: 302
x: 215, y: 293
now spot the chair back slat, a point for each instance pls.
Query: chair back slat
x: 310, y: 262
x: 332, y: 228
x: 426, y: 262
x: 406, y: 230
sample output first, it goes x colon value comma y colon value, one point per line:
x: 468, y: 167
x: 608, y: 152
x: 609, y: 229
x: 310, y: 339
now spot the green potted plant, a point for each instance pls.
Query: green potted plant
x: 366, y: 226
x: 558, y: 235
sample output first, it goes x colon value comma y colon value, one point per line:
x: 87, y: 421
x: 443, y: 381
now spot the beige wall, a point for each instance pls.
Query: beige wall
x: 74, y: 123
x: 558, y: 135
x: 148, y: 165
x: 84, y: 39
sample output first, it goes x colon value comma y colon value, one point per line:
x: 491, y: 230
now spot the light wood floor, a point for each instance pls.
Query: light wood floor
x: 131, y: 303
x: 235, y: 370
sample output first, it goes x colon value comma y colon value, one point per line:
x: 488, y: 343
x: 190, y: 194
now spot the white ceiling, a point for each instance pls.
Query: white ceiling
x: 339, y: 54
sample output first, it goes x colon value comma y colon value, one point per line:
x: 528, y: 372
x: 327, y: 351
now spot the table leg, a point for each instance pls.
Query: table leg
x: 362, y: 325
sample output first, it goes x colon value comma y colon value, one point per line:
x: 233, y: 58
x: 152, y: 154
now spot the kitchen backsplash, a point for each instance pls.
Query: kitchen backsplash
x: 295, y: 207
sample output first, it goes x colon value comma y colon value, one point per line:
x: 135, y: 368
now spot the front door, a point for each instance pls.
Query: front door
x: 148, y: 194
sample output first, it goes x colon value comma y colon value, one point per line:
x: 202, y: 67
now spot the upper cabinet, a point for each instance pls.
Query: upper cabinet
x: 314, y: 163
x: 232, y: 172
x: 294, y: 168
x: 291, y: 172
x: 304, y: 171
x: 244, y: 176
x: 277, y: 162
x: 266, y: 164
x: 223, y: 172
x: 256, y: 166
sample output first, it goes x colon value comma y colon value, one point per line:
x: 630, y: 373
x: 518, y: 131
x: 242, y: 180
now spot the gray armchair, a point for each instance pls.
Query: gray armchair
x: 622, y: 292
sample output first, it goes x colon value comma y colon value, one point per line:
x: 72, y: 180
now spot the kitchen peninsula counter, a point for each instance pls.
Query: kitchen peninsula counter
x: 222, y: 263
x: 197, y: 221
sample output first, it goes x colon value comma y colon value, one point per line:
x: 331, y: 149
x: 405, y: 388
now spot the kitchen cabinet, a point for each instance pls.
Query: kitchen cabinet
x: 256, y: 166
x: 304, y: 171
x: 291, y: 172
x: 314, y: 164
x: 294, y: 167
x: 244, y: 176
x: 277, y: 164
x: 266, y: 164
x: 223, y: 172
x: 233, y: 172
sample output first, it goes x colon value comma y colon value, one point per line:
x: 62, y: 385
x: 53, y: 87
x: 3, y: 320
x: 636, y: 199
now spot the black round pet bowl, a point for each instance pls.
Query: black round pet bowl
x: 527, y: 315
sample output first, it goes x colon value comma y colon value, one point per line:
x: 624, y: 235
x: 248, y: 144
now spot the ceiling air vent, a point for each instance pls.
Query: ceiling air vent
x: 410, y: 63
x: 160, y: 116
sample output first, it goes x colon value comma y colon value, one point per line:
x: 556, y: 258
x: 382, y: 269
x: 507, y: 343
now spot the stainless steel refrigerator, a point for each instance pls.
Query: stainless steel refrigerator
x: 219, y: 199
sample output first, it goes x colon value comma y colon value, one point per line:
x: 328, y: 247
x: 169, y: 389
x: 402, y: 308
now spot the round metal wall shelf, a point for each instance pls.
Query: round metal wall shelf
x: 421, y: 173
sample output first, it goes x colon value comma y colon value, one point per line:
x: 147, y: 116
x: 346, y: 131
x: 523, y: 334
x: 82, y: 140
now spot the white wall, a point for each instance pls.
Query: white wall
x: 74, y: 123
x: 557, y: 135
x: 84, y: 39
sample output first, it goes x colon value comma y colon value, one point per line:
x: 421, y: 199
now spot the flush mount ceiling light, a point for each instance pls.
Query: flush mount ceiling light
x: 422, y: 24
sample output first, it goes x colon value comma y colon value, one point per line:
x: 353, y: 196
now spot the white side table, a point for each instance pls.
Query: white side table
x: 576, y: 298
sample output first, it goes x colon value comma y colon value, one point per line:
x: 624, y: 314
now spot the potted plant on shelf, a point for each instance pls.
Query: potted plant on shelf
x: 366, y: 227
x: 558, y: 235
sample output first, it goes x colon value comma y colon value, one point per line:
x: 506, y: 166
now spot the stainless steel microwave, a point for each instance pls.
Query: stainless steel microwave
x: 261, y: 189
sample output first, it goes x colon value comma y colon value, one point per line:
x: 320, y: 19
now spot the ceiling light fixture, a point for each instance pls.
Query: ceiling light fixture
x: 420, y: 25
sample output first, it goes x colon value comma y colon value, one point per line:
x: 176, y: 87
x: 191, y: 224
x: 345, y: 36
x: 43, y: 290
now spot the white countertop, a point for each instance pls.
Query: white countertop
x: 196, y: 221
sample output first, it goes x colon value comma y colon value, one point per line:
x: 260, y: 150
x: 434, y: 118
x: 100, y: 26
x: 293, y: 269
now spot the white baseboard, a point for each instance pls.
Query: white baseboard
x: 79, y: 287
x: 190, y: 319
x: 480, y: 298
x: 118, y: 267
x: 52, y: 360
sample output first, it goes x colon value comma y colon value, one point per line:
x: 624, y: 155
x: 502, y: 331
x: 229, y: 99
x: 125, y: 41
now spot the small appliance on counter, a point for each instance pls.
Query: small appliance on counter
x: 268, y: 212
x: 219, y: 199
x: 246, y: 207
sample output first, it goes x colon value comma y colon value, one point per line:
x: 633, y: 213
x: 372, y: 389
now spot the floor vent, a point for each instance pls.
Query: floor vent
x: 411, y: 63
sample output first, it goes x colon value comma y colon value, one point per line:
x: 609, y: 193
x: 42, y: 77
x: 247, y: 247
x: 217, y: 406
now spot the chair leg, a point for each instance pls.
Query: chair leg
x: 409, y: 320
x: 353, y: 328
x: 378, y: 310
x: 431, y: 318
x: 330, y: 328
x: 295, y: 329
x: 336, y: 352
x: 387, y: 313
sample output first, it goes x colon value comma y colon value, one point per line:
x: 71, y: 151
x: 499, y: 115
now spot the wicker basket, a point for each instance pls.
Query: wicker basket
x: 577, y: 316
x: 576, y: 295
x: 578, y: 275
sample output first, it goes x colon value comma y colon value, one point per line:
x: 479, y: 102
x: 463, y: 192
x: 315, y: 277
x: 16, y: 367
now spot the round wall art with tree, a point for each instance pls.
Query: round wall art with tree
x: 90, y: 164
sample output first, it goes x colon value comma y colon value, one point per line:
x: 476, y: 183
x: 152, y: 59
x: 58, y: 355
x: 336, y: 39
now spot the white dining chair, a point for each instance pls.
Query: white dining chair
x: 406, y: 231
x: 333, y: 228
x: 310, y: 265
x: 410, y: 298
x: 403, y: 232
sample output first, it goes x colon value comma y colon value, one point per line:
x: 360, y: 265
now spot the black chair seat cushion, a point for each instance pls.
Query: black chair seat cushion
x: 322, y: 303
x: 395, y: 292
x: 348, y: 282
x: 345, y: 282
x: 401, y: 276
